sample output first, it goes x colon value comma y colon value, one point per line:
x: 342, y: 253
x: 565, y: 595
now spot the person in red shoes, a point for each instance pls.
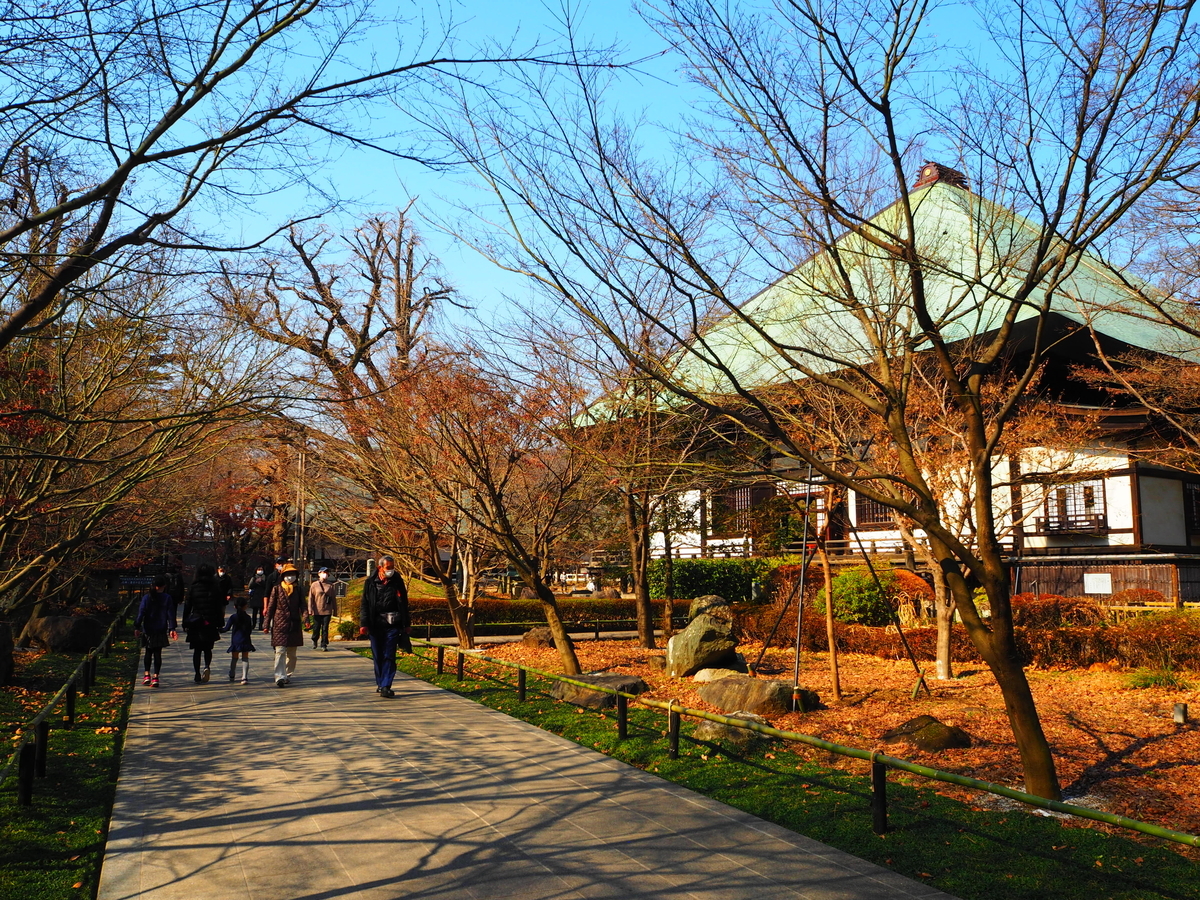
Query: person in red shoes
x: 155, y: 624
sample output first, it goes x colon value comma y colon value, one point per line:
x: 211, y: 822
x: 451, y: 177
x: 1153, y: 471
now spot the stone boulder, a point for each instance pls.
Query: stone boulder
x: 6, y: 655
x: 757, y: 695
x: 538, y: 637
x: 66, y: 634
x: 706, y: 675
x: 581, y: 696
x: 706, y: 642
x: 928, y: 734
x: 606, y: 593
x: 710, y: 605
x: 657, y: 661
x: 730, y: 737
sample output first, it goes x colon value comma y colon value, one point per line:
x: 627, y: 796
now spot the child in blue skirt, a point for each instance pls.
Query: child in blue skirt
x: 240, y: 626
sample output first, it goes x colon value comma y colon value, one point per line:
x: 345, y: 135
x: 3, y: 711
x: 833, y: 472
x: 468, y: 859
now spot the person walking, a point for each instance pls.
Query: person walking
x: 257, y: 592
x: 384, y: 617
x: 203, y: 613
x: 155, y: 622
x: 240, y: 627
x: 224, y: 583
x: 285, y: 610
x: 322, y: 604
x: 273, y: 578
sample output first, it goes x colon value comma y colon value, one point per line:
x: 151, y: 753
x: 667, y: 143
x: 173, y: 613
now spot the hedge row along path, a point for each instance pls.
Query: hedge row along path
x: 323, y: 789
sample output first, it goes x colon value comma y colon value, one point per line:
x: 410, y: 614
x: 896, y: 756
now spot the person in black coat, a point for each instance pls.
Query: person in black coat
x: 203, y: 615
x: 384, y: 617
x: 155, y: 623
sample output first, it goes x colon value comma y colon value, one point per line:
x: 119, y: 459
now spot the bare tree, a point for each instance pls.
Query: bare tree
x: 116, y: 117
x: 818, y: 114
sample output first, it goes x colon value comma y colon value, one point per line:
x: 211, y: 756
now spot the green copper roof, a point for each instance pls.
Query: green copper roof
x: 834, y: 309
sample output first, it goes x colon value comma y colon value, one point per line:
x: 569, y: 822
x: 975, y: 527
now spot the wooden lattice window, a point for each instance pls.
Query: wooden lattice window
x: 870, y: 513
x: 1077, y: 507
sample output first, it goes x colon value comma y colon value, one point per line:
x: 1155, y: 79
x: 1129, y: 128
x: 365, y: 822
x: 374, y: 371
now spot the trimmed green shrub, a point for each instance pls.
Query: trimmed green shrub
x: 728, y: 578
x: 858, y: 598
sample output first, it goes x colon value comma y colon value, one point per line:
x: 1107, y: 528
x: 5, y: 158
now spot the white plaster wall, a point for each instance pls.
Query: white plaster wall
x: 1162, y: 511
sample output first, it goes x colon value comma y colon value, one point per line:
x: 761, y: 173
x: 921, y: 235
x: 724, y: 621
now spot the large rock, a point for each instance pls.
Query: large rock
x: 607, y: 593
x: 581, y: 696
x: 6, y: 655
x: 928, y: 734
x: 730, y: 737
x: 710, y: 605
x: 707, y: 642
x: 706, y: 675
x: 66, y: 634
x: 757, y: 695
x: 538, y: 637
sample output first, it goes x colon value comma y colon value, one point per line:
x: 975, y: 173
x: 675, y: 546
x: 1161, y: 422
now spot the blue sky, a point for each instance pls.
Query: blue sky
x: 370, y: 182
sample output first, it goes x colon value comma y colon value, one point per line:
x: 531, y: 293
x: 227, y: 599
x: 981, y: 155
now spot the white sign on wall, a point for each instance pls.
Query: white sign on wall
x: 1097, y: 583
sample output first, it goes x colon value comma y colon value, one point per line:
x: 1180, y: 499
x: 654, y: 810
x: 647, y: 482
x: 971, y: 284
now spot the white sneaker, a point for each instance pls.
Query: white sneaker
x: 280, y: 682
x: 244, y: 681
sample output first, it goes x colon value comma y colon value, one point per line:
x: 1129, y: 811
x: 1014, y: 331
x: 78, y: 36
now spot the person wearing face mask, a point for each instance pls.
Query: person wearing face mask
x: 257, y: 590
x: 322, y: 602
x: 284, y: 616
x: 384, y: 617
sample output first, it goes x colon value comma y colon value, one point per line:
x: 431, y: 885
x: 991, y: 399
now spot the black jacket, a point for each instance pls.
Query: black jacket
x: 380, y: 597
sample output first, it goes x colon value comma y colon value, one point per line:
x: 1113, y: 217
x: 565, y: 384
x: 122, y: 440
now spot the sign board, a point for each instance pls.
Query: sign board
x: 1097, y: 583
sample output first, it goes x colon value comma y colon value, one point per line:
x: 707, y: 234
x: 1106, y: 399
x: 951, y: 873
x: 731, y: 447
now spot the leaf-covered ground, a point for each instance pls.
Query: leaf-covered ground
x: 1117, y: 748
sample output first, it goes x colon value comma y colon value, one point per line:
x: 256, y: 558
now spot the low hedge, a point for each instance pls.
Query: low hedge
x: 431, y: 611
x: 1158, y: 640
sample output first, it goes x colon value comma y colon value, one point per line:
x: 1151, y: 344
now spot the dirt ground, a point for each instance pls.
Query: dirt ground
x: 1117, y: 748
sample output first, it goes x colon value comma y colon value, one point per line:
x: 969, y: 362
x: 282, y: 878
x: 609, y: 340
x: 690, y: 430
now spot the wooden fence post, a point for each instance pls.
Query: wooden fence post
x: 25, y: 775
x: 441, y: 659
x: 71, y: 690
x: 521, y: 685
x: 85, y: 685
x: 673, y: 734
x: 459, y: 665
x: 879, y: 798
x: 622, y: 717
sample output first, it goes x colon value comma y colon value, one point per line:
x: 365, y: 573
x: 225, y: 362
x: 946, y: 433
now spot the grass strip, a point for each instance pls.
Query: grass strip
x: 972, y: 853
x: 54, y: 849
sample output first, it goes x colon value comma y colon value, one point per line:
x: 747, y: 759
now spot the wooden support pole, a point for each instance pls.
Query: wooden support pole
x: 597, y: 624
x: 521, y: 685
x: 71, y: 691
x: 622, y: 717
x: 85, y: 684
x: 459, y: 666
x: 95, y: 667
x: 879, y: 822
x: 41, y: 745
x: 441, y: 659
x: 25, y: 775
x: 673, y: 734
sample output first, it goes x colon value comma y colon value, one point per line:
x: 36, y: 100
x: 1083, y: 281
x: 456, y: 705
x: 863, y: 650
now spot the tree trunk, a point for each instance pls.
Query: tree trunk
x: 669, y: 588
x: 462, y: 617
x: 638, y: 531
x: 834, y: 676
x: 996, y: 645
x: 566, y: 649
x: 945, y: 625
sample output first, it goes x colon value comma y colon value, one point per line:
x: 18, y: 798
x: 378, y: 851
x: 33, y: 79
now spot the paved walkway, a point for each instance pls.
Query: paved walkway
x: 323, y: 789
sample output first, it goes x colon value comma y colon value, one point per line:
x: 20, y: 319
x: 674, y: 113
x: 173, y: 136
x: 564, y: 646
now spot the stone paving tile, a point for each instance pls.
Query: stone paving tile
x: 322, y: 789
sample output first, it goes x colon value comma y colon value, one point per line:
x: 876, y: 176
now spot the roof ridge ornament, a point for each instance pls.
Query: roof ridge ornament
x: 932, y: 172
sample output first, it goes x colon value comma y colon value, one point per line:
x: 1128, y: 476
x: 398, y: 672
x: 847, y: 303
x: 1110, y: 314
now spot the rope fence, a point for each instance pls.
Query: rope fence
x: 28, y: 759
x: 880, y: 762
